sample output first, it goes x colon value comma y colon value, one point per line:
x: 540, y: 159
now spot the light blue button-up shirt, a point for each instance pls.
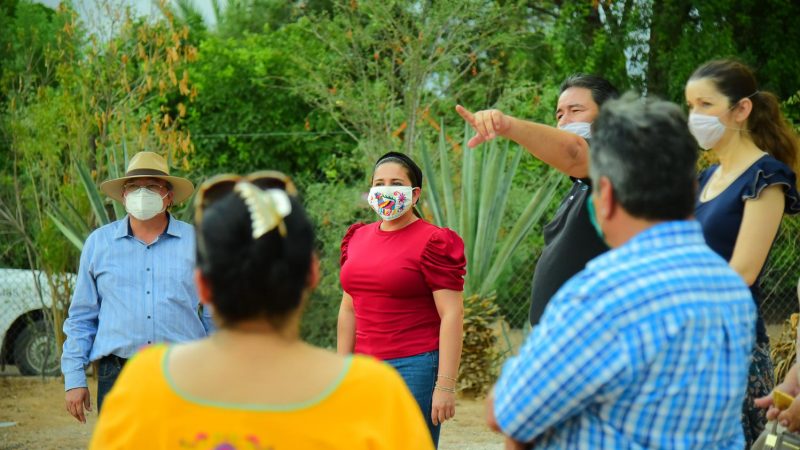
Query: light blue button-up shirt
x: 129, y: 294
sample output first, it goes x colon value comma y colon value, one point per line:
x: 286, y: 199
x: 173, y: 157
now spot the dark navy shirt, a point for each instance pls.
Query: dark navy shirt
x: 721, y: 217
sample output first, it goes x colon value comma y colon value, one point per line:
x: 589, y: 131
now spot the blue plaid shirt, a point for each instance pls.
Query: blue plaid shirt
x: 129, y: 294
x: 648, y: 347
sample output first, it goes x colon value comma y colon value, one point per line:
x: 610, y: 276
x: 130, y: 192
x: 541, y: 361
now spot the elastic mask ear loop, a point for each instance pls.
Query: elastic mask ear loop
x: 593, y: 217
x: 414, y: 208
x: 735, y: 106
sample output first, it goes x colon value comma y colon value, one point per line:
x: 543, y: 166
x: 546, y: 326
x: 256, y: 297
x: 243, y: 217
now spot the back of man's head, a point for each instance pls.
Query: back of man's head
x: 602, y: 89
x: 644, y: 148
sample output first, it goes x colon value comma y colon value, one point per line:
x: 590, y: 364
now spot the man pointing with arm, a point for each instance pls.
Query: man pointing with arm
x: 570, y: 240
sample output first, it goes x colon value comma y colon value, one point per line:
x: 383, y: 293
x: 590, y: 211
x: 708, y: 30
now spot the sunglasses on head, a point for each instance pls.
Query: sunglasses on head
x: 218, y: 186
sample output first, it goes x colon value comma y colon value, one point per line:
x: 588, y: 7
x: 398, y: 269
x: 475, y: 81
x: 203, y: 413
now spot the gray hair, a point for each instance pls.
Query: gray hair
x: 643, y: 146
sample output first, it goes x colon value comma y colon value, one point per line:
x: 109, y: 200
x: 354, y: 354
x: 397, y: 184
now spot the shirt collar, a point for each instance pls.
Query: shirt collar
x: 124, y: 228
x: 172, y: 227
x: 676, y: 233
x: 669, y: 234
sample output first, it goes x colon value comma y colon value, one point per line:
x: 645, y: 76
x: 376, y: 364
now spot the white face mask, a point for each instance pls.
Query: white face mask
x: 582, y: 129
x: 707, y: 130
x: 143, y: 204
x: 390, y: 202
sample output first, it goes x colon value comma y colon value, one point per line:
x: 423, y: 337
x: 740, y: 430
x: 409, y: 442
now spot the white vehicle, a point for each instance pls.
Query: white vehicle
x: 26, y: 334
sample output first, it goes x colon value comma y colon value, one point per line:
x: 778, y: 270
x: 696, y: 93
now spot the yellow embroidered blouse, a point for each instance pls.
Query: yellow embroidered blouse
x: 367, y: 407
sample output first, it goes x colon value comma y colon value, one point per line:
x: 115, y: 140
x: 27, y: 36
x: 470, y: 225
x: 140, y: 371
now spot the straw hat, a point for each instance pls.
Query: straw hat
x: 148, y: 165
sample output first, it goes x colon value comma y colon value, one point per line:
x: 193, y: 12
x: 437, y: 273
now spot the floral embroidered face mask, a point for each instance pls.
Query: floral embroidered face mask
x: 390, y: 202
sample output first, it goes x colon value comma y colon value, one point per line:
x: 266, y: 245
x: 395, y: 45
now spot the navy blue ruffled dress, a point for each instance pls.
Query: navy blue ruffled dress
x: 721, y: 218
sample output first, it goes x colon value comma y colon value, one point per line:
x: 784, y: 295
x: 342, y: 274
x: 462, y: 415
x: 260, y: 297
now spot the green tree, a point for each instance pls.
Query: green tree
x: 238, y: 18
x: 106, y: 99
x: 33, y: 37
x: 655, y: 46
x: 380, y: 68
x: 241, y: 17
x: 30, y: 35
x: 247, y: 117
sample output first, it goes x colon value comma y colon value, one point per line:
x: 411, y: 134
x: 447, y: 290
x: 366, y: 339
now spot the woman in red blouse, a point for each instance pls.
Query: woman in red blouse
x: 403, y: 280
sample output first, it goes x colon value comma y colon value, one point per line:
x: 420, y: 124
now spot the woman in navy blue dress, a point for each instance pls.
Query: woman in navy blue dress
x: 742, y: 199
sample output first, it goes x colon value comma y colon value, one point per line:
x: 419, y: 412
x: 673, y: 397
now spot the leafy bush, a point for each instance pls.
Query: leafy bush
x: 333, y: 208
x: 246, y: 117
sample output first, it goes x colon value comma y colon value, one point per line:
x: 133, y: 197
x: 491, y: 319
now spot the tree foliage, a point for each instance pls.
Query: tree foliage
x: 248, y: 117
x: 33, y: 40
x: 380, y: 68
x: 655, y: 46
x: 99, y: 101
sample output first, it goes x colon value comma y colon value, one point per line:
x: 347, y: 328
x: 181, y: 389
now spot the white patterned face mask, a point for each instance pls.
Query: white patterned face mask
x: 390, y: 202
x: 582, y: 129
x: 144, y: 204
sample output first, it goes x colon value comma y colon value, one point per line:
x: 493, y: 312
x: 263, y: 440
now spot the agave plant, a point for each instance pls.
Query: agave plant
x: 70, y: 221
x: 476, y: 214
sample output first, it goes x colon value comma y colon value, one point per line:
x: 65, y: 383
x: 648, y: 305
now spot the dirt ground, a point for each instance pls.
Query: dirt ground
x: 36, y: 407
x: 32, y: 414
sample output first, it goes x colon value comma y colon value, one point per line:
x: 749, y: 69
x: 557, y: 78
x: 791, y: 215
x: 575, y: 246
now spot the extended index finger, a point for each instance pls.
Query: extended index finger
x: 465, y: 114
x: 480, y: 130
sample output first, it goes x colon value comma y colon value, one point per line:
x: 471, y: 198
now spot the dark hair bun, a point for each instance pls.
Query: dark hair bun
x: 250, y: 278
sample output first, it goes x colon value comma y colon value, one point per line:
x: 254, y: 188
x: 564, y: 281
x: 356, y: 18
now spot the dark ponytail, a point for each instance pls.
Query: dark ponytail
x: 768, y: 128
x: 771, y: 131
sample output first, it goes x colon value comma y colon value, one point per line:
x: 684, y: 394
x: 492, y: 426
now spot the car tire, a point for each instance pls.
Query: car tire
x: 35, y: 350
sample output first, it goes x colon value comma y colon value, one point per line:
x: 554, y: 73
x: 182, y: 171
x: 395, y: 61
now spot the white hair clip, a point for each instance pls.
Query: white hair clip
x: 267, y: 208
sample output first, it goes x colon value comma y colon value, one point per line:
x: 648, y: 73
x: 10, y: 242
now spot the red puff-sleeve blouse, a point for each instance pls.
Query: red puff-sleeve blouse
x: 391, y: 276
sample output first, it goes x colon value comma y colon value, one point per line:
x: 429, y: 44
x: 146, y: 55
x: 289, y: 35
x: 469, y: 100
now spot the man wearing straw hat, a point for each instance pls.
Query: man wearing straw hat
x: 135, y: 283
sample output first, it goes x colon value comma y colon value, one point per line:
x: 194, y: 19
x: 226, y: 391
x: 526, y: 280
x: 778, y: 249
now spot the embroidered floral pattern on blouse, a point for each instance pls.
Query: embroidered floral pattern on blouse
x: 220, y: 441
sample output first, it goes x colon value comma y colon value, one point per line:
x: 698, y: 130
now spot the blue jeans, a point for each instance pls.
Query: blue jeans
x: 108, y: 369
x: 419, y: 373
